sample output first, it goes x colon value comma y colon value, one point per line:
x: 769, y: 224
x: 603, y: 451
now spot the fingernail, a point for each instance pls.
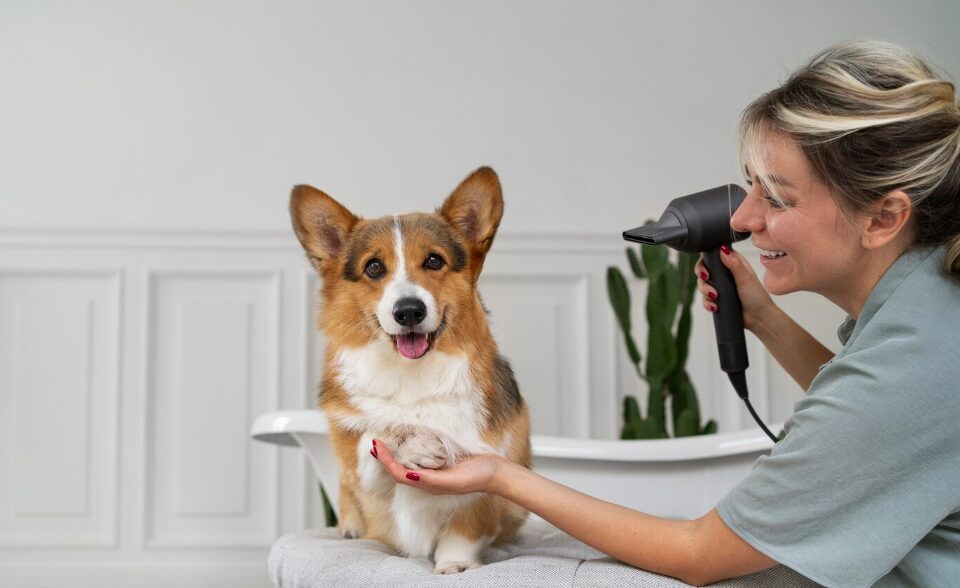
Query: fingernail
x: 703, y: 275
x: 712, y: 295
x: 712, y: 308
x: 413, y: 476
x: 373, y: 451
x: 725, y: 249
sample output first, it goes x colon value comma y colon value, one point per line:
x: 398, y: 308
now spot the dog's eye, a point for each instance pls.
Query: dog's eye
x: 433, y: 262
x: 374, y: 268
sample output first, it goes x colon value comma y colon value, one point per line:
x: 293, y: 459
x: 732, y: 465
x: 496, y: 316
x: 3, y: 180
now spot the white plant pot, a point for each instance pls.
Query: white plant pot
x: 676, y: 478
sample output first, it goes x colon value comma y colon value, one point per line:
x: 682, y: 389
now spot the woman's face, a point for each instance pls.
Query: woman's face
x: 807, y: 244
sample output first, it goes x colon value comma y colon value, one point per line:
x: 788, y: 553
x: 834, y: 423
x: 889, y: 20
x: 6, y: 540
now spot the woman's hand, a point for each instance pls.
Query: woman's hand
x: 474, y: 474
x: 754, y: 298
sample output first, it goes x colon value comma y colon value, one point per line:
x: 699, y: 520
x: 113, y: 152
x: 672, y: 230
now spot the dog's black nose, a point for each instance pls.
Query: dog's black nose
x: 409, y: 311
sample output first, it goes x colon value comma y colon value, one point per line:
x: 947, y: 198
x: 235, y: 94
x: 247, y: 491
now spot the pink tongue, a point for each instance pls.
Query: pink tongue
x: 412, y: 345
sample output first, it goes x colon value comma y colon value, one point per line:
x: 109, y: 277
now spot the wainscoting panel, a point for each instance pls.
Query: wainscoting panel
x: 58, y: 407
x: 212, y: 367
x: 541, y: 323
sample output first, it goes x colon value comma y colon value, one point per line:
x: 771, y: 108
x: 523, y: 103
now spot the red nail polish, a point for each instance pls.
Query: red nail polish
x: 413, y: 476
x: 713, y: 308
x: 373, y: 452
x: 725, y: 249
x: 703, y: 276
x: 712, y: 295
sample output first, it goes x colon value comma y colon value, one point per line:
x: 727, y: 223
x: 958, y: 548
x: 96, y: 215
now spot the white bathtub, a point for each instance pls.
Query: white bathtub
x: 681, y: 478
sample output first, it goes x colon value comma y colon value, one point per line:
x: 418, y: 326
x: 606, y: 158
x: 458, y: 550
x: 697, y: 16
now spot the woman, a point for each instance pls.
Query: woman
x: 854, y: 173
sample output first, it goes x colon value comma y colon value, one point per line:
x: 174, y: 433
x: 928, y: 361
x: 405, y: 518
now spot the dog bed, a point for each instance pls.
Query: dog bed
x: 540, y: 556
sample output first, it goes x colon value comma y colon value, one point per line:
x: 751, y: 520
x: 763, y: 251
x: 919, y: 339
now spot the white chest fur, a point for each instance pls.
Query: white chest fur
x: 435, y: 392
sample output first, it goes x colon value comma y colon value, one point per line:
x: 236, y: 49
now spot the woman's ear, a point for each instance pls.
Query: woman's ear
x: 887, y: 220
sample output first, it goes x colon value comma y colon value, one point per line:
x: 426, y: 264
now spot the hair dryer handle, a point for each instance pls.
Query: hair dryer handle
x: 728, y: 319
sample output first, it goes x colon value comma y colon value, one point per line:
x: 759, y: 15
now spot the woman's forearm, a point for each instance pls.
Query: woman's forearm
x: 667, y: 547
x: 659, y: 545
x: 800, y: 354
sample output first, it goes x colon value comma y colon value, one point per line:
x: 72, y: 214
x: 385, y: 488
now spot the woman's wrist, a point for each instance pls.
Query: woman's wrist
x: 504, y: 470
x: 763, y: 321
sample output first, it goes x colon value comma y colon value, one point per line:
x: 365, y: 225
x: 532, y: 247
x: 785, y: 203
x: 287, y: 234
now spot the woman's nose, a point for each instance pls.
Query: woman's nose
x: 748, y: 218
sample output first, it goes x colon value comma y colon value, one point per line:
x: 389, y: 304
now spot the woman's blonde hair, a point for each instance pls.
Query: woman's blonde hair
x: 871, y: 118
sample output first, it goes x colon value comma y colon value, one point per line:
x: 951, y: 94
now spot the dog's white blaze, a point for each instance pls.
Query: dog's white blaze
x: 419, y: 517
x: 436, y: 392
x: 401, y: 274
x: 399, y: 287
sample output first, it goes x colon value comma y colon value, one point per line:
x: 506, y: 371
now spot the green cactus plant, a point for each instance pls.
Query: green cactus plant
x: 670, y: 288
x: 329, y: 515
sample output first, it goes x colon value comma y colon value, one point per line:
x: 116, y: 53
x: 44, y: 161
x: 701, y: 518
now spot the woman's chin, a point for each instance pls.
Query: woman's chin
x: 777, y: 287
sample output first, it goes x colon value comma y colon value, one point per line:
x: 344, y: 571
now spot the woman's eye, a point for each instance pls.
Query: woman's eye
x: 777, y: 203
x: 433, y: 262
x: 374, y: 269
x: 773, y: 202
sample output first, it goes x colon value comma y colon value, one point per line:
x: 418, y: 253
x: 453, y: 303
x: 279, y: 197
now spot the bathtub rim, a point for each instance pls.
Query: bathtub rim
x: 280, y: 427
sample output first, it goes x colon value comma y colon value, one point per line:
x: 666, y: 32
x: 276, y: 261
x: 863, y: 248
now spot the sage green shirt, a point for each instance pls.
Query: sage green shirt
x: 865, y: 488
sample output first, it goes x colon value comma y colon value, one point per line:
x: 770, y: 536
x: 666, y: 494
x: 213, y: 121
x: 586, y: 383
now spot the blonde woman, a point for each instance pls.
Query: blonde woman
x: 854, y: 173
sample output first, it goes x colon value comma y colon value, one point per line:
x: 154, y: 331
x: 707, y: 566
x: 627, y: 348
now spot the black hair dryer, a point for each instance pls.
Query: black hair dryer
x: 700, y: 223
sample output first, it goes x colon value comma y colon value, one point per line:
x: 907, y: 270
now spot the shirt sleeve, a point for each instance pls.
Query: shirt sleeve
x: 868, y: 467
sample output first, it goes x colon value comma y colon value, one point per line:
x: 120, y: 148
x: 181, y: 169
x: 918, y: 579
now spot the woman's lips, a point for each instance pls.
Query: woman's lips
x: 770, y: 257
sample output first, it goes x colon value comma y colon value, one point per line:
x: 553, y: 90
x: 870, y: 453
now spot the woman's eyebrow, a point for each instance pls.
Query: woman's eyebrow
x: 774, y: 178
x: 780, y: 181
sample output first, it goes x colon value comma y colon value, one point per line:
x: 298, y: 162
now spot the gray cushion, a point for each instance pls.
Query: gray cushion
x: 539, y: 556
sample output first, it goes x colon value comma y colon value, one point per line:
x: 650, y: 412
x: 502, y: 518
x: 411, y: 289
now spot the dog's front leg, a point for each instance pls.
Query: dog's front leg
x: 350, y: 516
x: 350, y: 522
x: 470, y: 530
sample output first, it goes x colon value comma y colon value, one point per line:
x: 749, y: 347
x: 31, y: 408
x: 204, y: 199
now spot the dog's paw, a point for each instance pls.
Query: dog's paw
x: 455, y: 567
x: 350, y: 531
x: 420, y: 450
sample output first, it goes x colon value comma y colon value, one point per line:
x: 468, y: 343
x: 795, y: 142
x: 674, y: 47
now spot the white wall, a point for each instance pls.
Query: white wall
x: 202, y: 114
x: 146, y: 156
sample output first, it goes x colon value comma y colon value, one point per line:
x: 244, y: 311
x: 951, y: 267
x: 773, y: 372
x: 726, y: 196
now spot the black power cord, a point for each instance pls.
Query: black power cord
x: 739, y: 381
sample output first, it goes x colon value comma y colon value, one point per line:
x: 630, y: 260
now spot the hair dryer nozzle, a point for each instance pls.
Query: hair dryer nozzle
x: 655, y: 234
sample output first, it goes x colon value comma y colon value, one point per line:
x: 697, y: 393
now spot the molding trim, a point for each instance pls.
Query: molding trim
x: 251, y: 572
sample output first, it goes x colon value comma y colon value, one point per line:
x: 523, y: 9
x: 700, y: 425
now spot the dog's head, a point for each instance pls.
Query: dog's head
x: 401, y: 278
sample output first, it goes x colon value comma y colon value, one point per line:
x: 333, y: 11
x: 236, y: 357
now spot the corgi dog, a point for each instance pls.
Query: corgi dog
x: 410, y: 361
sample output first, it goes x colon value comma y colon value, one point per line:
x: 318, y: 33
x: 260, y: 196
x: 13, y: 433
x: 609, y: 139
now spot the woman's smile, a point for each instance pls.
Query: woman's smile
x: 769, y: 258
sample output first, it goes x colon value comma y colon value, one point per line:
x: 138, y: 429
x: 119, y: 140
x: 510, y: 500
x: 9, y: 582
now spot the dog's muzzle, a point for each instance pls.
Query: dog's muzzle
x: 410, y: 312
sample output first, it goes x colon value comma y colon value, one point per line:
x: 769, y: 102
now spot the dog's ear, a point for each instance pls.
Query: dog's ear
x: 475, y: 208
x: 321, y: 224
